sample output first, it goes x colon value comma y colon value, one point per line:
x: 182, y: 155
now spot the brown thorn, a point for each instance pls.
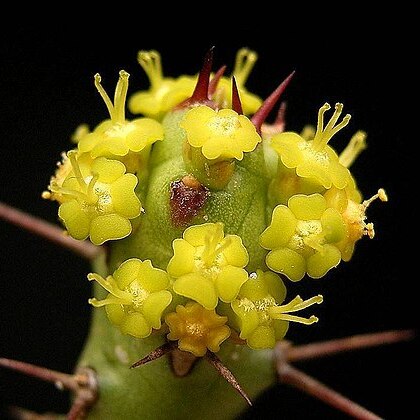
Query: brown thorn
x: 298, y: 379
x: 85, y: 396
x: 61, y: 380
x: 227, y: 375
x: 48, y: 231
x: 260, y: 116
x: 18, y: 413
x: 215, y: 80
x: 201, y: 91
x: 326, y: 348
x: 236, y: 100
x: 83, y: 384
x: 77, y: 411
x: 155, y: 354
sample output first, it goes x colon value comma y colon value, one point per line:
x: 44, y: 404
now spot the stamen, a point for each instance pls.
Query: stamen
x: 120, y: 98
x: 314, y: 242
x: 300, y: 320
x: 244, y: 63
x: 212, y: 247
x: 108, y: 301
x: 104, y: 95
x: 369, y: 230
x: 151, y: 63
x: 55, y: 188
x: 91, y: 196
x: 308, y: 302
x: 110, y: 285
x: 337, y: 112
x: 381, y: 194
x: 76, y: 169
x: 323, y: 136
x: 281, y: 312
x: 356, y: 145
x: 320, y: 123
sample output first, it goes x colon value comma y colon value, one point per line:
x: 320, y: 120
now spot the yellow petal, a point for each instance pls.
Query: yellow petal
x: 287, y: 147
x: 146, y: 132
x: 109, y: 227
x: 321, y: 262
x: 195, y: 234
x: 183, y: 260
x: 116, y: 313
x: 275, y: 286
x: 235, y: 253
x: 248, y: 319
x: 152, y: 279
x: 280, y: 328
x: 75, y: 219
x: 127, y: 272
x: 154, y: 306
x: 310, y: 168
x: 110, y: 146
x: 108, y: 170
x: 88, y: 142
x: 136, y: 325
x: 229, y: 281
x: 144, y: 102
x: 288, y: 262
x: 282, y: 227
x: 216, y: 336
x: 333, y: 226
x: 198, y: 288
x: 124, y: 199
x: 262, y: 338
x: 340, y: 175
x: 307, y: 207
x: 192, y: 345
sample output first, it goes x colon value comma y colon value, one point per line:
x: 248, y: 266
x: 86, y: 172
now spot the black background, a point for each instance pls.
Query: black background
x: 46, y: 87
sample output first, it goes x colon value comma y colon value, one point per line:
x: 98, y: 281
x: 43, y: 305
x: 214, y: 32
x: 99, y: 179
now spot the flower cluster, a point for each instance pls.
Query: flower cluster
x: 204, y: 274
x: 318, y: 213
x: 217, y: 206
x: 95, y: 183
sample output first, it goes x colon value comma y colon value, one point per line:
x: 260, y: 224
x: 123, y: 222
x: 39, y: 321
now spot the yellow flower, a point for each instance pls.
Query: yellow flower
x: 287, y: 183
x: 137, y: 297
x: 315, y: 158
x: 98, y: 200
x: 222, y: 134
x: 262, y: 320
x: 164, y: 92
x: 197, y: 329
x: 208, y: 265
x: 116, y: 137
x: 302, y: 237
x: 353, y: 211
